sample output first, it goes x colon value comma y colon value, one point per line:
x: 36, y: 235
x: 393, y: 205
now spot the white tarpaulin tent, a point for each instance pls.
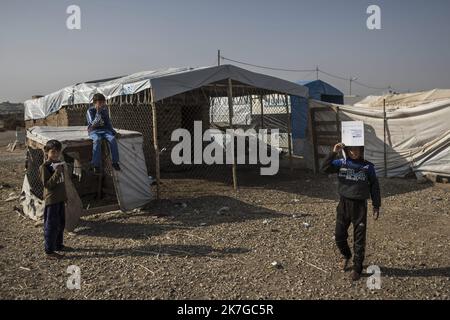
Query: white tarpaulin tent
x: 131, y: 183
x: 164, y: 83
x: 417, y: 131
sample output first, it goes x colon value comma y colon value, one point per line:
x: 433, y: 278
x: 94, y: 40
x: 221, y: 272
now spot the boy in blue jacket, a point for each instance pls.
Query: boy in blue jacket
x: 357, y: 183
x: 100, y: 127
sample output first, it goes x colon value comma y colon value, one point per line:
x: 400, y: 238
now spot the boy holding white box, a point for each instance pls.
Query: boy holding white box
x: 357, y: 183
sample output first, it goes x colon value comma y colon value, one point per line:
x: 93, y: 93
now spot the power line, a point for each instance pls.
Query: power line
x: 269, y: 68
x: 351, y: 79
x: 370, y: 87
x: 334, y: 76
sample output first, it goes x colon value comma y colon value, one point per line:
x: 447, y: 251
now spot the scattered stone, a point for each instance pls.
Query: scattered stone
x: 276, y: 264
x: 223, y: 211
x: 202, y: 224
x: 266, y: 221
x: 306, y: 224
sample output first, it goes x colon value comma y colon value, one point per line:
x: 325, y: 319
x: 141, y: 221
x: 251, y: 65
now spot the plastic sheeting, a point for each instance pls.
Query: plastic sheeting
x: 165, y: 83
x: 132, y: 182
x: 417, y: 136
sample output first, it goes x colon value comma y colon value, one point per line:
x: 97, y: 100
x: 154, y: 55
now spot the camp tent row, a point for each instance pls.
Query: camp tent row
x: 411, y: 135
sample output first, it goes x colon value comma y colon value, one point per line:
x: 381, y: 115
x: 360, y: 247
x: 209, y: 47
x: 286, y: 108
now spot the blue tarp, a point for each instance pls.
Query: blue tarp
x: 318, y: 90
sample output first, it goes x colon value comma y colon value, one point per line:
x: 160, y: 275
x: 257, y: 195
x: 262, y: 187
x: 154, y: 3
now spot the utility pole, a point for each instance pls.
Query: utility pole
x: 317, y: 72
x: 352, y: 79
x: 218, y: 57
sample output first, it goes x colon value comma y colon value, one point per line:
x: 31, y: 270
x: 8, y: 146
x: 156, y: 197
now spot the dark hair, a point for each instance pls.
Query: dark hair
x: 361, y: 149
x: 98, y: 97
x: 53, y: 145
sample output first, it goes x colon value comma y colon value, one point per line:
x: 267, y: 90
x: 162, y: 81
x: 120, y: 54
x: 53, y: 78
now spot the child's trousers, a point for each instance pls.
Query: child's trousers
x: 54, y: 223
x: 97, y: 136
x: 353, y: 212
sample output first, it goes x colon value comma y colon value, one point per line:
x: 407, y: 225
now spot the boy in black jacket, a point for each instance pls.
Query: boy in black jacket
x: 357, y: 182
x: 52, y: 175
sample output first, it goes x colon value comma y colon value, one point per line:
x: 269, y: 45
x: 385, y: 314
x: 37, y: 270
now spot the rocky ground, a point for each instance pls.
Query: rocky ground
x: 272, y: 240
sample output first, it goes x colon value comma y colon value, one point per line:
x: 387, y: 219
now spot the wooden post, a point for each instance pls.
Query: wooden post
x: 155, y: 144
x: 338, y: 126
x: 312, y: 125
x: 251, y: 107
x: 289, y: 129
x: 261, y: 103
x: 230, y: 116
x: 384, y: 137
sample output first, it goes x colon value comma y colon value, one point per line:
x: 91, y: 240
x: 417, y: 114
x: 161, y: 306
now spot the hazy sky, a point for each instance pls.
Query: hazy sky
x: 39, y: 55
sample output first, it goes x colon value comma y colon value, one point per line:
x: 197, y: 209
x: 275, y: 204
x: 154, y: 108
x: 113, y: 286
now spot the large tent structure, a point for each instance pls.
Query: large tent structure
x: 404, y: 133
x: 155, y: 103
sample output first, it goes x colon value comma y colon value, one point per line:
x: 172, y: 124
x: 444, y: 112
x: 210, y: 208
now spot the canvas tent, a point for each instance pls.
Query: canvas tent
x: 130, y: 186
x: 413, y: 135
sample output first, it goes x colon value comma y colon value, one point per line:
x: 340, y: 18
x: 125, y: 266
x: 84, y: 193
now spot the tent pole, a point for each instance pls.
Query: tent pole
x: 289, y: 131
x: 261, y: 103
x: 251, y: 107
x: 384, y: 137
x: 155, y: 143
x: 230, y: 117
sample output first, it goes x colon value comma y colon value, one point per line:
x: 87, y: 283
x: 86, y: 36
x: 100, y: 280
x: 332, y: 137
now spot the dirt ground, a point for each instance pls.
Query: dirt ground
x: 182, y: 248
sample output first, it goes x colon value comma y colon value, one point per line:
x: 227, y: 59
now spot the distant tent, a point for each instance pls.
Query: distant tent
x: 318, y: 90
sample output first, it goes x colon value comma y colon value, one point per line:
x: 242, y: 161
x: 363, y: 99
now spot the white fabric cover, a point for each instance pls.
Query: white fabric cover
x: 417, y: 135
x: 165, y: 83
x: 132, y: 183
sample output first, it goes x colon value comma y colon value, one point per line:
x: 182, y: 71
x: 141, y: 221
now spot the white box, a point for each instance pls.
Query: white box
x: 352, y: 133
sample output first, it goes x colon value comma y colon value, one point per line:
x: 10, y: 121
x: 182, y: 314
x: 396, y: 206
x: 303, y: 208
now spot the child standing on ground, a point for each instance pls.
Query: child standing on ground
x: 52, y: 175
x: 357, y: 183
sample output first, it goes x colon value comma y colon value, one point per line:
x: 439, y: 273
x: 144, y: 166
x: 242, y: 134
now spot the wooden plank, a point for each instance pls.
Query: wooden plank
x: 111, y: 207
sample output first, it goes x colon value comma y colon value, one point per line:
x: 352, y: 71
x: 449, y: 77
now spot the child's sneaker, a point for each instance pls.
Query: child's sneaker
x: 64, y: 248
x: 54, y: 256
x: 116, y: 166
x: 355, y: 276
x: 345, y: 264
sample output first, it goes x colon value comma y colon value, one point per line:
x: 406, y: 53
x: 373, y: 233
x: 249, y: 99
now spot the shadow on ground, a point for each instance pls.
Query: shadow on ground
x: 157, y: 250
